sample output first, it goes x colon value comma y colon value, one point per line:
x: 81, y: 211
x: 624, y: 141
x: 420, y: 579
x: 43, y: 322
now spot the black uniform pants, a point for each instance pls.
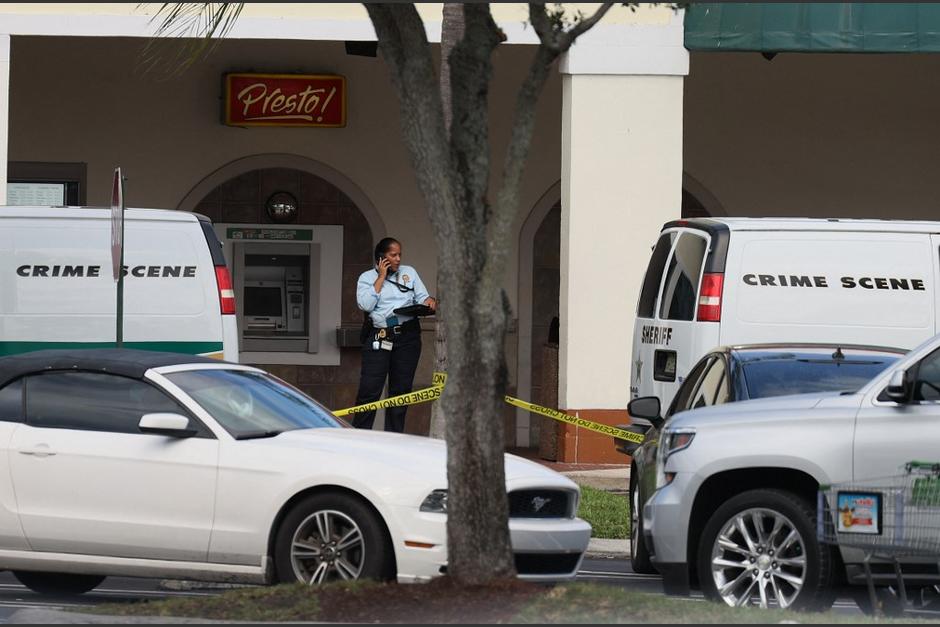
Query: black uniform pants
x: 399, y: 365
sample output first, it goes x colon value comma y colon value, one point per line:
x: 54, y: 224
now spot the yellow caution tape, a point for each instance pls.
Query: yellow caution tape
x: 411, y: 398
x: 437, y: 386
x: 574, y: 420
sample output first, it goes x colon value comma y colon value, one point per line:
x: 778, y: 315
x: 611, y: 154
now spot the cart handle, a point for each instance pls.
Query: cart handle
x: 921, y: 465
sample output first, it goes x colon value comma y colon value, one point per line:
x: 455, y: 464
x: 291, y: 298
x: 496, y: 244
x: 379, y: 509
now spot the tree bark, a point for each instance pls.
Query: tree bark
x: 452, y: 27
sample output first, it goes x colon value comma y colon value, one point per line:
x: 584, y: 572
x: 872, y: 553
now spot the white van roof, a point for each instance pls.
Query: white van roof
x: 131, y: 213
x: 814, y: 224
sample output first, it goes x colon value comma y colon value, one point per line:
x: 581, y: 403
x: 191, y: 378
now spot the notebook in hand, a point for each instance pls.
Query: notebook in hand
x: 415, y: 310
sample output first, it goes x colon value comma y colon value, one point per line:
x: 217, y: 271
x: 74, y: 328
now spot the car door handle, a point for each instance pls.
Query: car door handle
x: 40, y: 450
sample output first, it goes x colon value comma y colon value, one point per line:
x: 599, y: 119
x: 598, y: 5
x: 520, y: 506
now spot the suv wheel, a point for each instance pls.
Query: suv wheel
x: 639, y: 555
x: 760, y: 548
x: 57, y: 583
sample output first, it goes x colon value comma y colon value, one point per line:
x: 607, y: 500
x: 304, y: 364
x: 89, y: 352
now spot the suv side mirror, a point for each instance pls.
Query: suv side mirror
x: 899, y: 389
x: 648, y: 408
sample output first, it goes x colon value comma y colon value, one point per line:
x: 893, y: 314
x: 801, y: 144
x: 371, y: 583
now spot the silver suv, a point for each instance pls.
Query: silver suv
x: 736, y: 485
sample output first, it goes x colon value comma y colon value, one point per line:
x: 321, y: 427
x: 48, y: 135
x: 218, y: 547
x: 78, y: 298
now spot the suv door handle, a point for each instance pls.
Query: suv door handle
x: 40, y: 450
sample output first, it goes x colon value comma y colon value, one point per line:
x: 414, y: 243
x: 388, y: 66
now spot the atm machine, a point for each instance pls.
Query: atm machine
x: 276, y: 289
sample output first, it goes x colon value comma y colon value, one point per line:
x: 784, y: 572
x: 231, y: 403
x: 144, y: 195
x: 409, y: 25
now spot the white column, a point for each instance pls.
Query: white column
x: 621, y: 180
x: 4, y: 114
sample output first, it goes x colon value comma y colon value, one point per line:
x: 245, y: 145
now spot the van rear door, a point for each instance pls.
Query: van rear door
x: 666, y: 328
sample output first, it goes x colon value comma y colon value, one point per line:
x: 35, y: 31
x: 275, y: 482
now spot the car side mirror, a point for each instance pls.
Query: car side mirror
x: 648, y: 408
x: 899, y: 389
x: 173, y: 425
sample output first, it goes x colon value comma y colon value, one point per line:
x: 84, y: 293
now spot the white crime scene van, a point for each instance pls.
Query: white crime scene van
x: 57, y: 288
x: 713, y: 282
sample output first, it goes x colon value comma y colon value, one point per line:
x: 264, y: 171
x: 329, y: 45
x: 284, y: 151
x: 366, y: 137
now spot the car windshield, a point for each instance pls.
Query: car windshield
x: 253, y: 404
x: 780, y: 375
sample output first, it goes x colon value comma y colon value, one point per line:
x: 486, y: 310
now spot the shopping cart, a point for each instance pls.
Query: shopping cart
x: 889, y: 518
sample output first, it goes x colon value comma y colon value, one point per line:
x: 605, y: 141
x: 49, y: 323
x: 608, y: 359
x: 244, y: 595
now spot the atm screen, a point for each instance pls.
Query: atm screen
x: 264, y: 301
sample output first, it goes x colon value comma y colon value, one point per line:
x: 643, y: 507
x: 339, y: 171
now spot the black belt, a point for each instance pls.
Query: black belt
x: 409, y: 325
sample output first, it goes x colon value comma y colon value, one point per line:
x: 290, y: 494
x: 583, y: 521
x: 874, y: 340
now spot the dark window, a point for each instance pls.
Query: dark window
x: 927, y: 386
x: 92, y: 402
x: 714, y: 387
x: 787, y: 373
x: 680, y: 289
x: 11, y: 402
x: 683, y: 398
x: 654, y: 275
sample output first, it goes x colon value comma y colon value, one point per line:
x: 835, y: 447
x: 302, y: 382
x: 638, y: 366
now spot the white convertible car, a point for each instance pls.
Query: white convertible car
x: 136, y: 463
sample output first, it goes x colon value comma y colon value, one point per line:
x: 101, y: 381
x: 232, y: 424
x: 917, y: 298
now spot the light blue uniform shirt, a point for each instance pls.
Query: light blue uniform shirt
x: 381, y: 306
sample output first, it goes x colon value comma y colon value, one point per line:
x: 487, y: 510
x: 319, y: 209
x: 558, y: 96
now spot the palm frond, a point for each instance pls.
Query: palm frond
x: 186, y: 32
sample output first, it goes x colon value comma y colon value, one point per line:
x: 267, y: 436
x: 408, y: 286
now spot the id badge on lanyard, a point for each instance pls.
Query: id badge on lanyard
x: 380, y: 341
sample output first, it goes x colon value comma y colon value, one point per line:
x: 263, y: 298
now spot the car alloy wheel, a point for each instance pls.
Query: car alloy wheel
x: 759, y: 555
x: 332, y: 536
x: 759, y: 547
x: 327, y: 546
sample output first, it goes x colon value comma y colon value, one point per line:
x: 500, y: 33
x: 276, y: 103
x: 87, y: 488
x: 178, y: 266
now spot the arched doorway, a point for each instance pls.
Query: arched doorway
x: 539, y: 274
x: 237, y: 195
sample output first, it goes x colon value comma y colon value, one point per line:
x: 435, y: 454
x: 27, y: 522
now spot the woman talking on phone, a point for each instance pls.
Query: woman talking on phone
x: 392, y: 344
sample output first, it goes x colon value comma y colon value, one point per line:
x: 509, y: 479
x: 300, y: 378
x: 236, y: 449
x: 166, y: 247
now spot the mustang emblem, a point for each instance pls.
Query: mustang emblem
x: 538, y: 503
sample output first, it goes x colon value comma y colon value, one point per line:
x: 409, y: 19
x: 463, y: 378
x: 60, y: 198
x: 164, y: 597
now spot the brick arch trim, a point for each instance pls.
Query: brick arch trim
x: 701, y: 193
x: 293, y: 162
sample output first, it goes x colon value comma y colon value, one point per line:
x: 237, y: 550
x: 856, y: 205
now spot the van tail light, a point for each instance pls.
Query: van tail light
x: 709, y: 300
x: 226, y: 293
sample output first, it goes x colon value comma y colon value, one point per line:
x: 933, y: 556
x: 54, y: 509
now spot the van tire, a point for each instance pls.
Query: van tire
x: 371, y: 557
x: 769, y: 506
x: 59, y: 584
x: 639, y: 554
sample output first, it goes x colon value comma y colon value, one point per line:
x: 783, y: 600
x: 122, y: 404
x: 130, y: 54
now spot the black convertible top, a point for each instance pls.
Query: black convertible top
x: 122, y: 361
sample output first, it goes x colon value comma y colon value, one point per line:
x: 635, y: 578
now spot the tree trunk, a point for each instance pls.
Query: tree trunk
x: 452, y: 27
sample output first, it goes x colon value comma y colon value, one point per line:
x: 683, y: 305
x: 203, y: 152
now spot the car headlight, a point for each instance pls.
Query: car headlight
x: 671, y: 441
x: 435, y: 502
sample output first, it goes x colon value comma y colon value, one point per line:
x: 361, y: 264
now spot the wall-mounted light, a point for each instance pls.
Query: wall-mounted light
x: 281, y: 207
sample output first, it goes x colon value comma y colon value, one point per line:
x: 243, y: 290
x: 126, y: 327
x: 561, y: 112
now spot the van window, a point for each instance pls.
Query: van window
x: 681, y: 286
x: 654, y: 276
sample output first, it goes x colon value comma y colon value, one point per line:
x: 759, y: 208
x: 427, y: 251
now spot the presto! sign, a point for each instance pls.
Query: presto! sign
x: 285, y: 100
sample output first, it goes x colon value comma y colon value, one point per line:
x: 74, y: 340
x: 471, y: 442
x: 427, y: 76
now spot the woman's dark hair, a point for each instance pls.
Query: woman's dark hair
x: 384, y: 244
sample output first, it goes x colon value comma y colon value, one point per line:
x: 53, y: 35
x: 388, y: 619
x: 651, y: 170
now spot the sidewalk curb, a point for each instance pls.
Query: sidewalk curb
x: 608, y: 547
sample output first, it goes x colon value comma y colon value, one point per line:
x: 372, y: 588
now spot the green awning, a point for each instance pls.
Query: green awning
x: 813, y: 27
